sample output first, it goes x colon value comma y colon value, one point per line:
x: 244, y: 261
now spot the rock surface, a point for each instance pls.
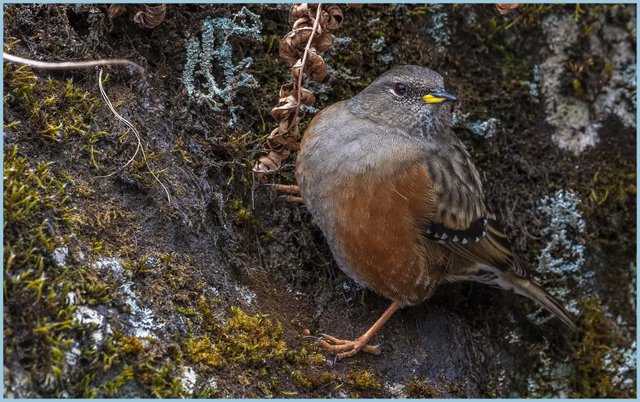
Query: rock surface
x: 112, y: 290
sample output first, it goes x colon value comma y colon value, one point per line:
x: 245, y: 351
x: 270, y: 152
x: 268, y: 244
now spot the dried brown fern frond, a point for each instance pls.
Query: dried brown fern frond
x: 150, y: 16
x: 300, y: 49
x: 506, y: 8
x: 116, y: 10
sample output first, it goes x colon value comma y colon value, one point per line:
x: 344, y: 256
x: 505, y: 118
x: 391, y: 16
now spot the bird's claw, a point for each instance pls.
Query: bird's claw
x: 344, y: 348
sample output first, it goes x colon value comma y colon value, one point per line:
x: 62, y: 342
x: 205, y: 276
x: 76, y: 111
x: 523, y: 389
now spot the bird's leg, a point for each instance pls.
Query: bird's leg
x: 289, y: 189
x: 345, y: 348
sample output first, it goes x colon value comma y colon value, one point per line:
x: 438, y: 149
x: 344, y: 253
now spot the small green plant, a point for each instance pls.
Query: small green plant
x: 55, y: 111
x: 365, y: 380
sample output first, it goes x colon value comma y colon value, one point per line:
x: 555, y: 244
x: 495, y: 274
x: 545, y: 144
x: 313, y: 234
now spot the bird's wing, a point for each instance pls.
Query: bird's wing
x: 461, y: 221
x: 455, y: 216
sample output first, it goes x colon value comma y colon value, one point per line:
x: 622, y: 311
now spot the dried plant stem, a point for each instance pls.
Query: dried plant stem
x: 139, y: 147
x: 70, y: 65
x: 125, y: 121
x: 316, y: 22
x: 300, y: 49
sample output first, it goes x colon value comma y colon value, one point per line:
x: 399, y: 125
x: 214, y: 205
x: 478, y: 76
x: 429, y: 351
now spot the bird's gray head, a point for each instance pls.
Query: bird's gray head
x: 411, y: 98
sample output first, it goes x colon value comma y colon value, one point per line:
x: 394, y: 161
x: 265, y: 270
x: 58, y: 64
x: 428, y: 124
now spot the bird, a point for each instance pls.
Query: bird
x: 400, y: 202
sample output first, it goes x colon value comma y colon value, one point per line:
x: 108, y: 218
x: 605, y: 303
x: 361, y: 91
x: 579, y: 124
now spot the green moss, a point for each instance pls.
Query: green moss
x: 611, y: 190
x: 127, y: 360
x: 421, y: 388
x: 201, y: 350
x: 163, y: 381
x: 365, y: 380
x: 112, y: 214
x: 304, y: 356
x: 600, y: 365
x: 209, y: 321
x: 418, y: 387
x: 141, y: 168
x: 577, y: 88
x: 61, y: 112
x: 239, y: 142
x: 125, y: 376
x: 314, y: 380
x: 179, y: 148
x: 253, y: 345
x: 302, y: 380
x: 206, y: 392
x: 31, y: 193
x: 246, y: 217
x: 252, y: 339
x: 37, y: 220
x: 37, y: 215
x: 241, y: 212
x: 597, y: 355
x: 53, y: 110
x: 613, y: 184
x: 56, y: 111
x: 608, y: 69
x: 186, y: 311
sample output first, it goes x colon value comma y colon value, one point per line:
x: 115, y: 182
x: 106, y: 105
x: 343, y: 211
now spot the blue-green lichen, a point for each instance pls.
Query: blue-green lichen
x: 564, y: 251
x: 482, y: 128
x: 210, y: 73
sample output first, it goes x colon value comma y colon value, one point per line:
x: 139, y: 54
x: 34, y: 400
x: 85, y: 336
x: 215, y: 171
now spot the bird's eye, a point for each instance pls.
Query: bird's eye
x: 400, y: 89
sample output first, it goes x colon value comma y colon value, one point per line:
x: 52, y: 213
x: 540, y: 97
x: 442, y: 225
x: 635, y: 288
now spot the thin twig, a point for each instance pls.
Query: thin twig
x: 137, y: 135
x: 70, y: 65
x: 304, y: 60
x: 125, y: 121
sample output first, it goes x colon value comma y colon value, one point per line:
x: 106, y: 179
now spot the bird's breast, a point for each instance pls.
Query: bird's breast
x: 374, y: 235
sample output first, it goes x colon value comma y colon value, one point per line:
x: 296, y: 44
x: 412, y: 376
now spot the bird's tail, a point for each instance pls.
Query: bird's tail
x: 530, y: 289
x: 524, y: 287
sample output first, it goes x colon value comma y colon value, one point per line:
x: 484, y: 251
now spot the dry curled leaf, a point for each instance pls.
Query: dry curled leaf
x: 315, y: 67
x: 301, y: 23
x: 288, y: 97
x: 506, y: 8
x: 284, y: 106
x: 269, y: 163
x: 116, y: 10
x: 298, y: 11
x: 334, y: 17
x: 289, y: 45
x: 306, y: 97
x: 322, y: 42
x: 150, y: 16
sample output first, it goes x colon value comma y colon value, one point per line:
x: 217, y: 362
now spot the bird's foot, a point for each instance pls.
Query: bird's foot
x: 289, y: 189
x: 343, y: 348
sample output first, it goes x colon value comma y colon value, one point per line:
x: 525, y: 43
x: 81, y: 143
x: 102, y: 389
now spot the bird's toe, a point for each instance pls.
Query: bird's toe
x: 347, y: 348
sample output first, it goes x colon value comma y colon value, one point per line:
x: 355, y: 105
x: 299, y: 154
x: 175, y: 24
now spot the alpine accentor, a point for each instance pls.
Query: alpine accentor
x: 399, y: 200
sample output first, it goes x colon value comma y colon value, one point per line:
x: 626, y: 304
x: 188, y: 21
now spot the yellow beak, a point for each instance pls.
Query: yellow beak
x: 432, y: 99
x: 439, y: 96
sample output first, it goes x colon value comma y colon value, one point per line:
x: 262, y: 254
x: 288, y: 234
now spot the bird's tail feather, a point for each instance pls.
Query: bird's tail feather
x: 525, y: 287
x: 534, y: 292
